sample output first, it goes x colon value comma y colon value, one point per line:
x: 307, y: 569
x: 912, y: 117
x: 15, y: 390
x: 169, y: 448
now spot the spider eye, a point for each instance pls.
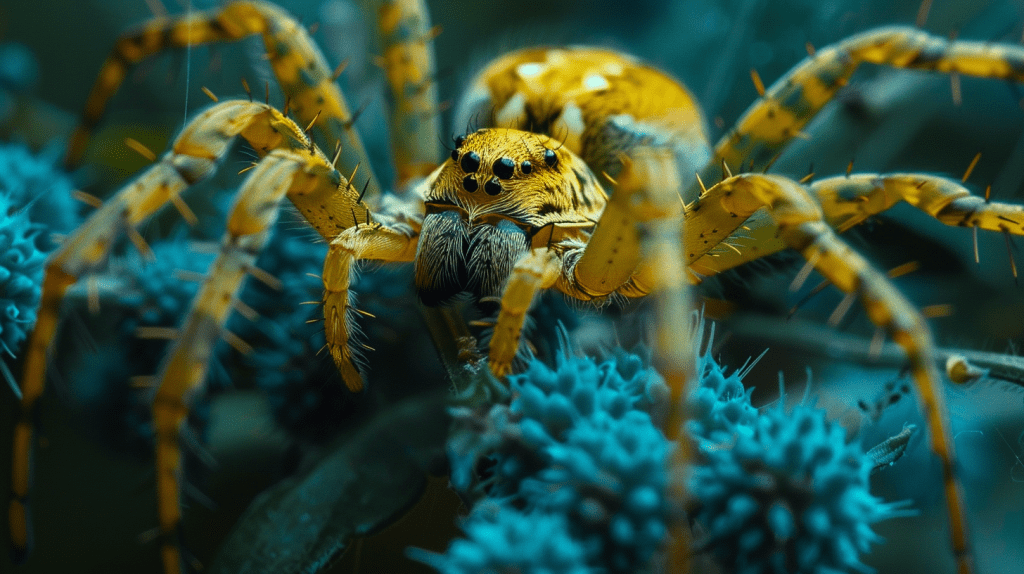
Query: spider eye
x: 459, y: 140
x: 455, y: 155
x: 526, y: 166
x: 469, y: 183
x: 550, y: 158
x: 493, y: 186
x: 504, y: 168
x: 470, y: 162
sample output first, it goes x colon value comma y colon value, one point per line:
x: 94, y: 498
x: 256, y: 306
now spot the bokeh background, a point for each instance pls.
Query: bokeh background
x: 93, y: 502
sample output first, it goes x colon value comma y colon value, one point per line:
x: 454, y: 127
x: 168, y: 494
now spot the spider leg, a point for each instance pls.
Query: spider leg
x: 848, y: 201
x: 185, y: 367
x: 392, y: 244
x: 407, y: 45
x: 632, y: 252
x: 800, y: 224
x: 538, y: 269
x: 299, y: 65
x: 786, y: 107
x: 193, y: 157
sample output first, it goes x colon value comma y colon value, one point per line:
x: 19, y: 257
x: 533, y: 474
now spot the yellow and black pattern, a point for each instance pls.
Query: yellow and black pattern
x: 794, y: 99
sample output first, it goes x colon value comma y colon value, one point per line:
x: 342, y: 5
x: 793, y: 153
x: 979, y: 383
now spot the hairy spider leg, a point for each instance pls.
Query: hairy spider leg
x: 801, y: 225
x: 280, y: 173
x: 848, y: 201
x: 538, y: 269
x: 795, y: 98
x: 324, y: 197
x: 299, y: 65
x: 609, y: 261
x: 408, y: 60
x: 395, y: 243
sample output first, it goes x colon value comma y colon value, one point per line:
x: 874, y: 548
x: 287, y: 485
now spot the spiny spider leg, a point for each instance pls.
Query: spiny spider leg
x: 408, y: 59
x: 395, y: 243
x: 280, y: 173
x: 795, y: 98
x: 299, y: 65
x: 801, y: 226
x: 320, y: 193
x: 846, y: 202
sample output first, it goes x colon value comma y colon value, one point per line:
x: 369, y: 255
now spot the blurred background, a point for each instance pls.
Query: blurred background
x: 92, y: 502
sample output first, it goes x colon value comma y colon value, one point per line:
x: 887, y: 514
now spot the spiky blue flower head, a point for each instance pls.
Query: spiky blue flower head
x: 548, y: 402
x: 35, y: 201
x: 21, y: 267
x: 720, y: 404
x: 609, y: 477
x: 789, y: 497
x: 503, y: 540
x: 579, y: 441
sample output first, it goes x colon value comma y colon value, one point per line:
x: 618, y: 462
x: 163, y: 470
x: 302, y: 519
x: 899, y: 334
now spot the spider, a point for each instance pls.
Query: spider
x: 558, y: 191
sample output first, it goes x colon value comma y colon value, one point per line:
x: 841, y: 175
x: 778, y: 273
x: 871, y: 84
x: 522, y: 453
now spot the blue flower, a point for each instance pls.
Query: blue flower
x: 35, y: 202
x: 500, y: 539
x: 720, y: 403
x: 787, y: 494
x: 576, y: 441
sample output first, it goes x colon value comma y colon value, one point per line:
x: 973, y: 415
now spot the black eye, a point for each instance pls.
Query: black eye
x: 504, y: 168
x: 469, y: 183
x: 470, y: 162
x: 526, y: 166
x: 459, y: 140
x: 549, y: 158
x: 455, y: 155
x: 493, y: 186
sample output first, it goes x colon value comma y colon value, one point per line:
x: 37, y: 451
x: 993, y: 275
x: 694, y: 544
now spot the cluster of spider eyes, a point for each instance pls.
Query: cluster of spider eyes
x: 503, y: 168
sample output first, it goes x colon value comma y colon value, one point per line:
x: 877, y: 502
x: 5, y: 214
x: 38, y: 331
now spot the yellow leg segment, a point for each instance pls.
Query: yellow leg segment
x: 407, y: 44
x: 800, y: 225
x: 846, y: 202
x: 539, y: 269
x: 185, y: 368
x: 192, y: 158
x: 355, y: 243
x: 324, y: 196
x: 787, y: 106
x: 299, y: 65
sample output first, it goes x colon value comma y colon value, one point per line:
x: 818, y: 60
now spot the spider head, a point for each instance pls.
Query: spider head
x: 487, y: 204
x: 525, y: 177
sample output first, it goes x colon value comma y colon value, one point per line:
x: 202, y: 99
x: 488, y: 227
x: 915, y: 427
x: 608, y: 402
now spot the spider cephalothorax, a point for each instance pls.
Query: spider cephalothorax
x: 503, y: 192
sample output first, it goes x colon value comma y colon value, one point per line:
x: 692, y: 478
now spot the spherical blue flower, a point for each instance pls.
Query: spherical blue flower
x: 503, y: 540
x: 577, y: 441
x: 787, y: 495
x: 35, y: 202
x: 609, y: 476
x: 548, y: 402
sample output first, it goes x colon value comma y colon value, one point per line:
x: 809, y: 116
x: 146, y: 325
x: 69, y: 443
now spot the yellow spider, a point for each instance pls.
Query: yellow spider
x: 561, y: 191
